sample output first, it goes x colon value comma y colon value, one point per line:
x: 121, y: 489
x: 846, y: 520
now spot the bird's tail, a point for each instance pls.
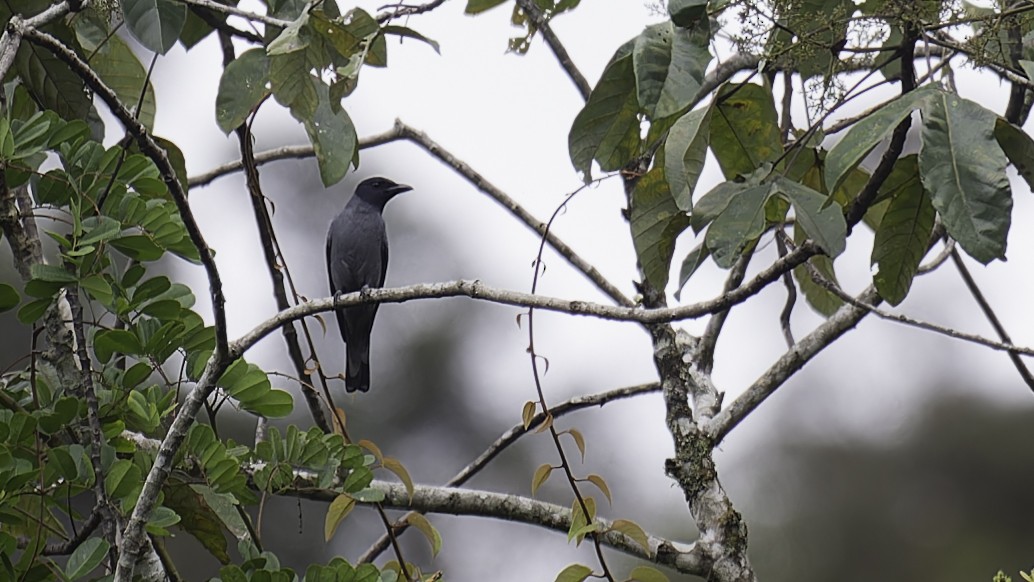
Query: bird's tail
x: 357, y: 368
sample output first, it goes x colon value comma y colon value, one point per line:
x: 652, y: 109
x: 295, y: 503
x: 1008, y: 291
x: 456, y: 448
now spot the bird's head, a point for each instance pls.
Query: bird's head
x: 379, y: 190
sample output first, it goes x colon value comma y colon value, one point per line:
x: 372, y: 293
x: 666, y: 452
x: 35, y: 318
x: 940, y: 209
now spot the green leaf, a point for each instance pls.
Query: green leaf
x: 669, y: 67
x: 479, y: 6
x: 1018, y: 147
x: 32, y: 311
x: 407, y: 32
x: 274, y: 404
x: 870, y: 131
x: 963, y: 169
x: 86, y: 558
x: 52, y: 273
x: 6, y: 140
x: 656, y: 222
x: 685, y: 152
x: 420, y: 522
x: 243, y: 85
x: 9, y: 297
x: 98, y: 229
x: 156, y: 24
x: 607, y: 128
x: 647, y: 574
x: 121, y: 70
x: 292, y: 84
x: 115, y: 341
x: 694, y: 259
x: 338, y: 510
x: 574, y: 573
x: 333, y: 138
x: 686, y: 13
x: 821, y: 299
x: 346, y: 39
x: 98, y: 288
x: 738, y: 226
x: 123, y: 476
x: 901, y: 239
x: 293, y: 38
x: 822, y: 220
x: 744, y: 128
x: 51, y: 83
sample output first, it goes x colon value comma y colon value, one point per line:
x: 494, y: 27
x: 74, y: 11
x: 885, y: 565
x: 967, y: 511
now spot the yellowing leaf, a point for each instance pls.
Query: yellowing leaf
x: 579, y: 441
x: 540, y: 476
x: 373, y: 449
x: 548, y: 422
x: 574, y: 573
x: 632, y: 530
x: 602, y: 485
x: 647, y: 574
x: 433, y: 537
x: 339, y: 421
x: 528, y: 413
x: 400, y: 471
x: 338, y: 510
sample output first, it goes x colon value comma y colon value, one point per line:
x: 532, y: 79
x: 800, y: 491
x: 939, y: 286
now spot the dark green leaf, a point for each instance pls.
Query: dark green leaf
x: 31, y: 312
x: 738, y: 226
x: 687, y: 13
x: 156, y: 24
x: 120, y: 70
x: 98, y: 229
x: 1019, y: 148
x: 243, y: 85
x: 198, y: 518
x: 479, y: 6
x: 407, y: 32
x: 293, y: 86
x: 607, y: 128
x: 685, y: 151
x: 333, y: 138
x: 293, y: 38
x: 822, y: 221
x: 9, y: 297
x: 870, y: 131
x: 821, y: 299
x: 115, y: 341
x: 51, y: 82
x: 656, y: 223
x: 274, y: 404
x: 744, y: 128
x: 901, y: 239
x: 123, y: 476
x: 690, y: 264
x: 139, y: 247
x: 52, y: 273
x: 86, y: 557
x: 669, y: 66
x: 963, y: 169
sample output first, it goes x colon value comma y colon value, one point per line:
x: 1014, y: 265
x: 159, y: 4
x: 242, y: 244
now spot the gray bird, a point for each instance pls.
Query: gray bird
x: 357, y: 258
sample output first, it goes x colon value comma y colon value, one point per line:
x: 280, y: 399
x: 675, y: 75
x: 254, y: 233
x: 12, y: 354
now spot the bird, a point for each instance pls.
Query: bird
x: 357, y: 259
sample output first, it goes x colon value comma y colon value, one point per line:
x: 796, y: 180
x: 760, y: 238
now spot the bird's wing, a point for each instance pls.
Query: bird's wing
x: 384, y: 261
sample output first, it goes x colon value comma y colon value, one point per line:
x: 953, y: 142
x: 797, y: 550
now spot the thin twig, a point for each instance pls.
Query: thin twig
x: 538, y: 19
x: 508, y: 438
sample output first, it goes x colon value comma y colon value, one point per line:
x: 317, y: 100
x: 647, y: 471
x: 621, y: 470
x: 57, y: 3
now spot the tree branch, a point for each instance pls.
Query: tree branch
x: 787, y: 365
x: 537, y: 18
x: 470, y: 502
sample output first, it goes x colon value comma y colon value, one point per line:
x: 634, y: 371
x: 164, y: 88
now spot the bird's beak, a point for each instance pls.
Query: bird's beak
x: 399, y: 189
